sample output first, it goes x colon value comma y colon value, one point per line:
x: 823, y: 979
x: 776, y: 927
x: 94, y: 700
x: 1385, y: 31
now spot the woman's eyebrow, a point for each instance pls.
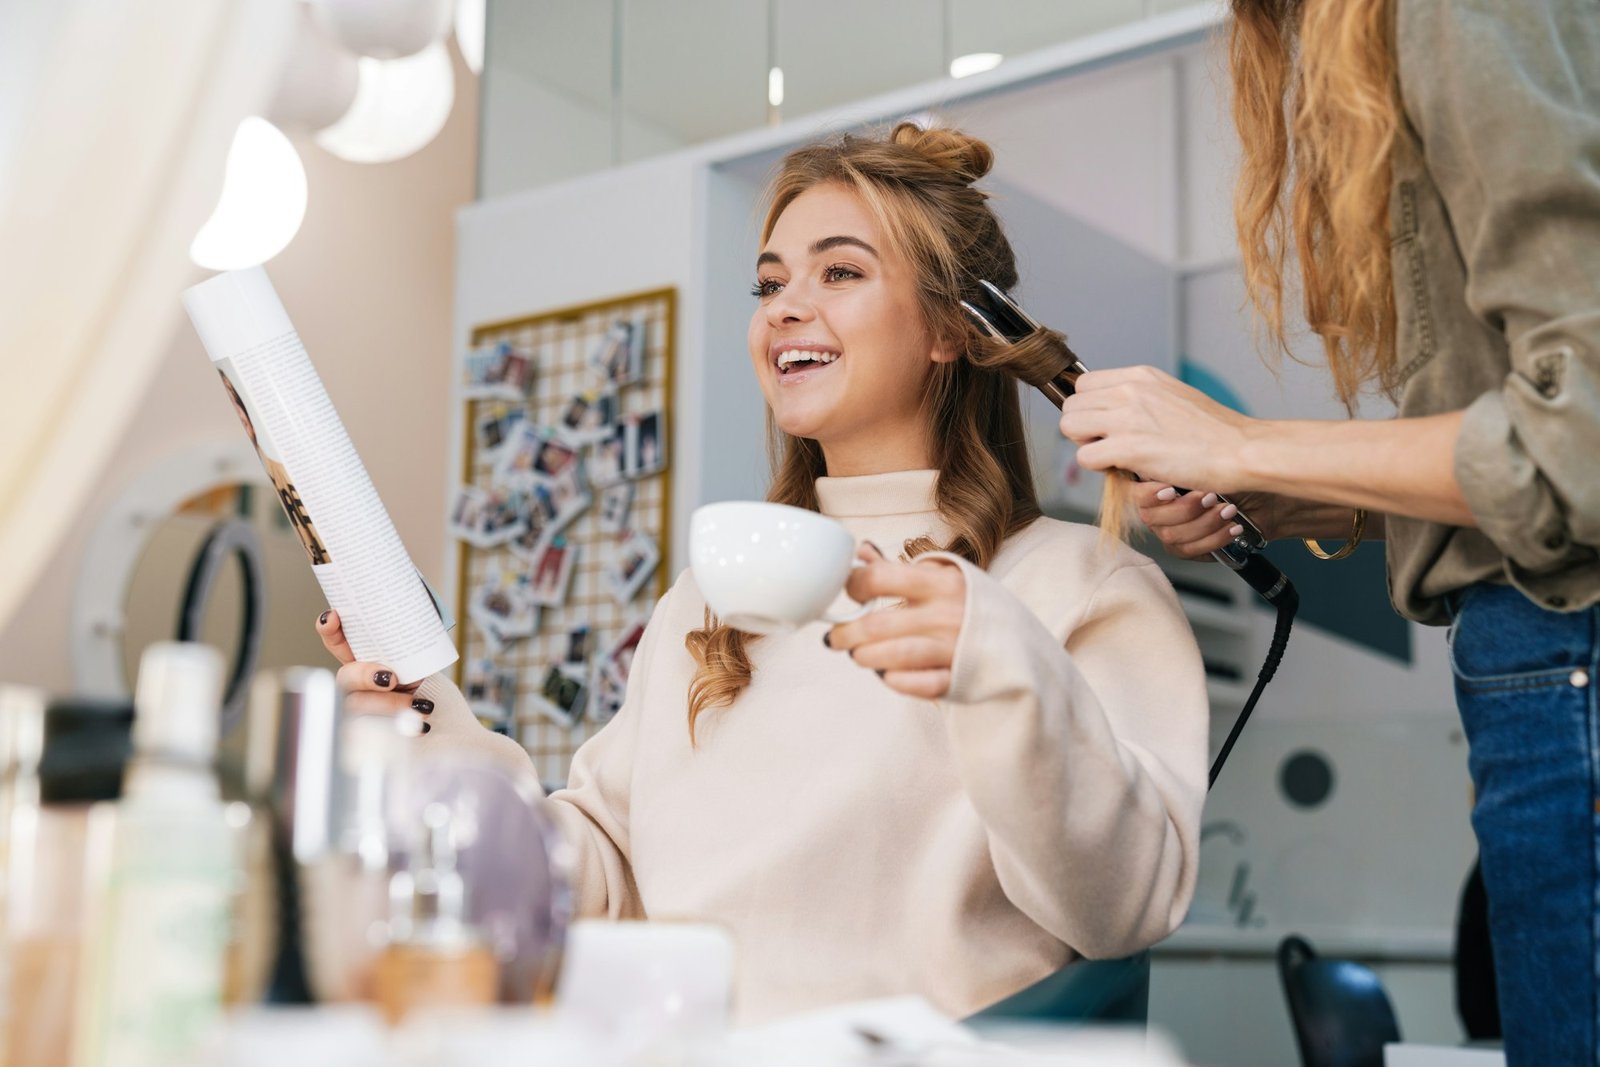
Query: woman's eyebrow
x: 834, y: 242
x: 820, y: 247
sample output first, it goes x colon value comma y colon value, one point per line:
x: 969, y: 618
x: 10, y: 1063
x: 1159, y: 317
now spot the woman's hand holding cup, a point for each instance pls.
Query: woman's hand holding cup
x: 913, y: 646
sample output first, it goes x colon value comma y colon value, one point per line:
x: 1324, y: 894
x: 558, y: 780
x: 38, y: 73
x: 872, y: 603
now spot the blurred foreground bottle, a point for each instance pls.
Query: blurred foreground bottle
x: 164, y: 867
x: 60, y: 758
x: 435, y: 956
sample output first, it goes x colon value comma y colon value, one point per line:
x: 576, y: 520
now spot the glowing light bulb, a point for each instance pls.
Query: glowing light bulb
x: 262, y: 204
x: 401, y: 105
x: 470, y: 21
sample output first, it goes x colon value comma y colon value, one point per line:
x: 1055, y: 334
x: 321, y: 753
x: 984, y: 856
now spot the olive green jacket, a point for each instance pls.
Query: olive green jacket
x: 1496, y: 219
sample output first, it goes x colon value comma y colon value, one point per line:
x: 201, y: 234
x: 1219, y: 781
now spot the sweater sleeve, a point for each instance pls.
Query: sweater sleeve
x: 592, y: 810
x: 1505, y: 99
x: 1085, y: 759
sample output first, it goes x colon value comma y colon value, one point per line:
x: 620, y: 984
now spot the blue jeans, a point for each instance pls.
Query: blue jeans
x: 1526, y: 685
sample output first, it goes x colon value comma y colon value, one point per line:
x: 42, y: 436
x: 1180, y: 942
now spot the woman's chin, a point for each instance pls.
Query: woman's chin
x: 799, y: 423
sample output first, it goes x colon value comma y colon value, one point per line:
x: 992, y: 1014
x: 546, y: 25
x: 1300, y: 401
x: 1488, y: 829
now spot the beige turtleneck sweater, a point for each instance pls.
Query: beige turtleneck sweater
x: 860, y: 843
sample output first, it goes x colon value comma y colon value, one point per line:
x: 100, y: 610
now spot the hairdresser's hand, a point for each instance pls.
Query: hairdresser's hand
x: 1195, y: 524
x: 911, y: 646
x: 1145, y: 421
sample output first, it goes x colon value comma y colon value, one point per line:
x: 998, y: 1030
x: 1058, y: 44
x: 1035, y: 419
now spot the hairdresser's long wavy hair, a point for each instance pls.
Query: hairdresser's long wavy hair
x: 918, y: 186
x: 1317, y: 105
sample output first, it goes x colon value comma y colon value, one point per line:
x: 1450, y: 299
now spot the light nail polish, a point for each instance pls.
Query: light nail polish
x: 1209, y: 500
x: 1229, y: 511
x: 1235, y: 530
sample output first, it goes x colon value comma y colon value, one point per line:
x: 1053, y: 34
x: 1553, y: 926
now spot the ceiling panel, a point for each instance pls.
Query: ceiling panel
x: 836, y: 52
x: 1013, y: 27
x: 696, y: 69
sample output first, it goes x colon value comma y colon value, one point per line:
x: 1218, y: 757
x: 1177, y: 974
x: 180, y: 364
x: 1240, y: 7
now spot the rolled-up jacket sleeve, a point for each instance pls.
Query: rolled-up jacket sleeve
x: 1505, y: 99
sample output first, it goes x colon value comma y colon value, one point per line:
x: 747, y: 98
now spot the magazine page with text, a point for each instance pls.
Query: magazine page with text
x: 389, y: 614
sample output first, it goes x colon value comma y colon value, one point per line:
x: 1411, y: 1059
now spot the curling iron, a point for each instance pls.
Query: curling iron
x: 1000, y: 317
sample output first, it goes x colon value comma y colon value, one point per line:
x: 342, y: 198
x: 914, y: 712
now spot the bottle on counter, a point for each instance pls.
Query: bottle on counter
x: 63, y: 757
x: 164, y: 869
x: 347, y: 914
x: 435, y: 957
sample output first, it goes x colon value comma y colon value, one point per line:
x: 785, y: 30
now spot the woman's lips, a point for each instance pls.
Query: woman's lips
x: 804, y: 371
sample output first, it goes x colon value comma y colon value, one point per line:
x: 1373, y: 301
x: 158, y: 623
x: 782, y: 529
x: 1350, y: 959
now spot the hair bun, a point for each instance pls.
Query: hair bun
x: 966, y: 157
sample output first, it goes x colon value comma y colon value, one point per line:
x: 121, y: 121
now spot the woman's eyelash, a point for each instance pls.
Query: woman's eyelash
x: 764, y: 286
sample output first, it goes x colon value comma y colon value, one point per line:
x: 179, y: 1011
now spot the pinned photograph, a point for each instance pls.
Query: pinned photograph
x: 569, y: 494
x: 503, y: 608
x: 646, y: 450
x: 588, y: 417
x: 534, y: 453
x: 497, y: 371
x: 619, y: 357
x: 504, y: 513
x: 494, y: 427
x: 607, y: 458
x: 465, y: 516
x: 618, y: 659
x: 552, y: 573
x: 580, y: 646
x: 616, y: 504
x: 491, y: 693
x: 633, y: 561
x: 561, y: 696
x: 606, y: 694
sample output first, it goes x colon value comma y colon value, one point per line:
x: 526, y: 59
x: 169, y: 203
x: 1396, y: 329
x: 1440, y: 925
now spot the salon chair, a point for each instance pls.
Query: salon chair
x: 1102, y: 992
x: 1342, y: 1016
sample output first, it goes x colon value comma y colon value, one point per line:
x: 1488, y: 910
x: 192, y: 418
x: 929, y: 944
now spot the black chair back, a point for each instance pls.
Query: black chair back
x: 1341, y: 1015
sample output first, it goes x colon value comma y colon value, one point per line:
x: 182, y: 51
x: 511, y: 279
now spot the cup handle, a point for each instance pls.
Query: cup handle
x: 854, y: 613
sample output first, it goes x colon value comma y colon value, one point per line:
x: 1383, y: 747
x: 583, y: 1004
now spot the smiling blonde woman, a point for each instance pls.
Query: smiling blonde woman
x: 955, y: 797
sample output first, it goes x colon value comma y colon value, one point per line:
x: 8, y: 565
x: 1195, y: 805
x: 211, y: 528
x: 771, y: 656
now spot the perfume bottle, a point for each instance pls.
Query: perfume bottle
x: 434, y: 956
x: 164, y: 864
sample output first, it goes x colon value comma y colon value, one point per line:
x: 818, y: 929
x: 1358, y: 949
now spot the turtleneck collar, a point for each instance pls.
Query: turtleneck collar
x: 871, y: 495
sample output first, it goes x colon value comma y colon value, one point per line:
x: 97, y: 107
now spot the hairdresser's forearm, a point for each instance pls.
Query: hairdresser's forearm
x: 1399, y: 466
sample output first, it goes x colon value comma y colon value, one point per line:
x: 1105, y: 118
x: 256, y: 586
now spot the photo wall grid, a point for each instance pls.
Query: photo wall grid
x: 561, y: 515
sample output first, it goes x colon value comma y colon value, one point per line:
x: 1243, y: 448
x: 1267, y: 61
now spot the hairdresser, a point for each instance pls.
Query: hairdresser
x: 1434, y: 168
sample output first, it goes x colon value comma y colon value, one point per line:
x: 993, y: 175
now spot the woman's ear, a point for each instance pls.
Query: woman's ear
x: 944, y: 351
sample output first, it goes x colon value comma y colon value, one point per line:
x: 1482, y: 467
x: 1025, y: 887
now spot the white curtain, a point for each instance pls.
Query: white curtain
x: 115, y: 120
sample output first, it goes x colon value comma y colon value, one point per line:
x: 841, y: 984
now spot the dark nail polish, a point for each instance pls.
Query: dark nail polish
x: 322, y: 620
x: 827, y: 638
x: 383, y: 679
x: 422, y: 704
x: 426, y: 727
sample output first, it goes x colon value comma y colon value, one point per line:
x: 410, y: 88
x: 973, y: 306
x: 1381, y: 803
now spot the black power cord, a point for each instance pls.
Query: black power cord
x: 1276, y: 589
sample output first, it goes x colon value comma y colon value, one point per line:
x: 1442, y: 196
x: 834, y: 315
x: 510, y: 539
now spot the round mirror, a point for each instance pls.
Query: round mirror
x: 197, y: 549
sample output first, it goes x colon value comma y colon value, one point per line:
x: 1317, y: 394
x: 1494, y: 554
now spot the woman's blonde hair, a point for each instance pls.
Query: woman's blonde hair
x: 918, y: 185
x: 1317, y: 106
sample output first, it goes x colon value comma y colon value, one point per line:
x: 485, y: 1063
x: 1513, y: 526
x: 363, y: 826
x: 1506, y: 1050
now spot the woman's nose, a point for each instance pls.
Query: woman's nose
x: 793, y: 304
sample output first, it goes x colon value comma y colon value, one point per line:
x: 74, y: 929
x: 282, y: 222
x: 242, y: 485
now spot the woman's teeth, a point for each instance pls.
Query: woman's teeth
x: 803, y: 357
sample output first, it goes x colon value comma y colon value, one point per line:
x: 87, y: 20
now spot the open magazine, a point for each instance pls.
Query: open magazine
x: 389, y: 613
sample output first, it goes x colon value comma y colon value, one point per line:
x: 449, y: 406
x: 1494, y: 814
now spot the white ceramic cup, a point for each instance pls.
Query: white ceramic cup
x: 769, y: 568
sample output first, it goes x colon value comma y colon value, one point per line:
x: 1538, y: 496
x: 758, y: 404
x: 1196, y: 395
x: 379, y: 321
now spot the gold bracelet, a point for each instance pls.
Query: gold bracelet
x: 1348, y: 547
